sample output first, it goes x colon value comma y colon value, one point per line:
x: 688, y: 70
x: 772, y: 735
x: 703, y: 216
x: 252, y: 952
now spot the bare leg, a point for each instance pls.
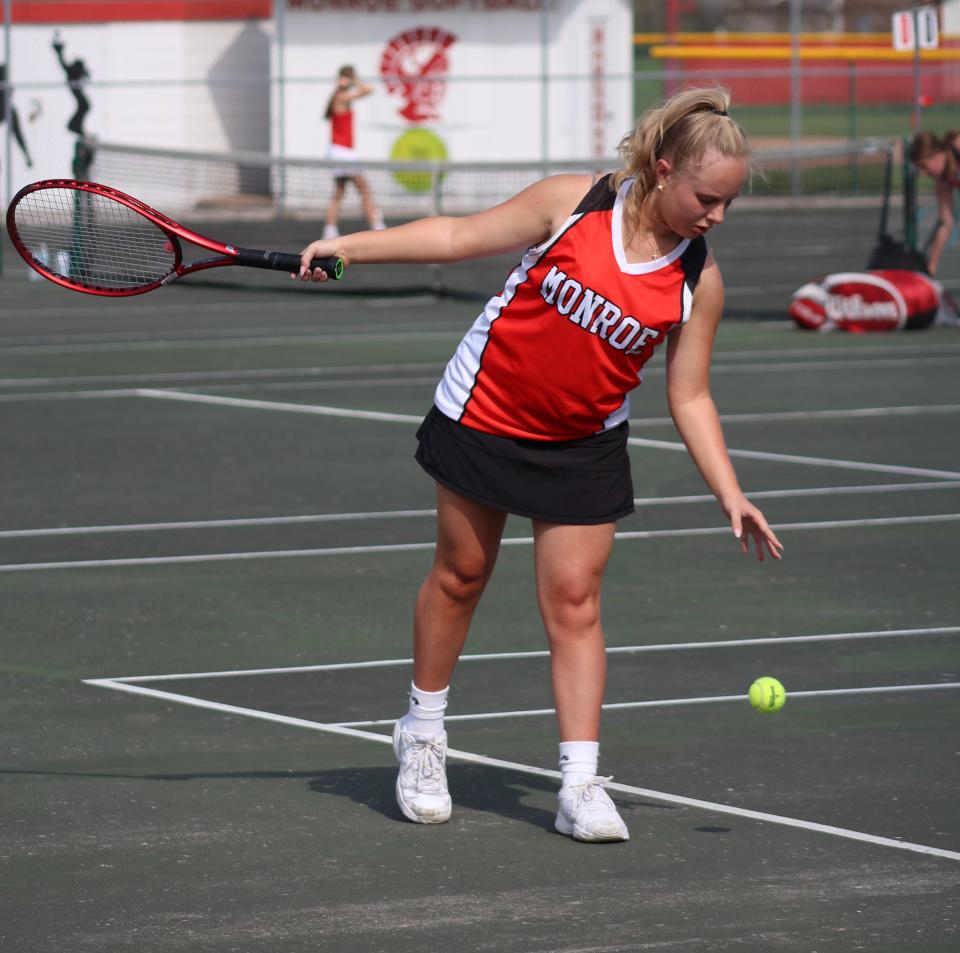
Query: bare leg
x: 333, y: 209
x: 468, y: 541
x: 570, y: 561
x: 370, y: 210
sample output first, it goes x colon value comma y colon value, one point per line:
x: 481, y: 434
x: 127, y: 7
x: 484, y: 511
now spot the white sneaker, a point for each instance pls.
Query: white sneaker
x: 422, y: 783
x: 587, y: 813
x: 331, y: 231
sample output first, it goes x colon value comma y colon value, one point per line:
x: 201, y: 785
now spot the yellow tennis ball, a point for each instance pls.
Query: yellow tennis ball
x: 767, y: 694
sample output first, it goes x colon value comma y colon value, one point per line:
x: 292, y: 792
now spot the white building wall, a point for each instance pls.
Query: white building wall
x: 211, y: 86
x: 490, y: 107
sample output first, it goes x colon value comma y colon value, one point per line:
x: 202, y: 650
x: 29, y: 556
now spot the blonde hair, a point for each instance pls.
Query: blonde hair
x: 681, y: 129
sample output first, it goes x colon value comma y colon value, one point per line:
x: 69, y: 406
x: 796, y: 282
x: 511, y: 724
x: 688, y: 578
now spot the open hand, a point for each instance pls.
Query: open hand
x: 748, y: 522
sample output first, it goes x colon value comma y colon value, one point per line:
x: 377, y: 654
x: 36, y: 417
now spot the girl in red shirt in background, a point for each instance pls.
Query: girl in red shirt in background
x: 340, y: 114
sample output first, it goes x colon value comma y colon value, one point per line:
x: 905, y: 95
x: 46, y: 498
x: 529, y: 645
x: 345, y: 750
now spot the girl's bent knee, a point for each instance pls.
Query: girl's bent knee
x: 460, y: 584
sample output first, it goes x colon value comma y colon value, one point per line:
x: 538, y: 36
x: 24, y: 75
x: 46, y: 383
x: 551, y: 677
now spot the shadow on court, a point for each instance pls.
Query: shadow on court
x: 493, y: 791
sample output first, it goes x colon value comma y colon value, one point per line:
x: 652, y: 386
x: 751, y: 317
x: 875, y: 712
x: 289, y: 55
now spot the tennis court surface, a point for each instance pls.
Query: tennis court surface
x: 213, y: 531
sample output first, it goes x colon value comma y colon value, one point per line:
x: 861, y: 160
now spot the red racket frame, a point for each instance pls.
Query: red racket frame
x: 226, y: 254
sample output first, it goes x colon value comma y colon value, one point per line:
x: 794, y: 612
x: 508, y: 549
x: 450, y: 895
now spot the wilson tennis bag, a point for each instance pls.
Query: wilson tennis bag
x: 889, y: 300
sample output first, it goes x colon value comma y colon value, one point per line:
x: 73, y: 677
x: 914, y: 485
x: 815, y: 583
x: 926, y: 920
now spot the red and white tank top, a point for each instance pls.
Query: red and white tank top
x: 555, y: 355
x: 341, y: 128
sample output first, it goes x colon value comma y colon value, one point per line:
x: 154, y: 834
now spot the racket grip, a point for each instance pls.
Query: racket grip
x: 286, y: 261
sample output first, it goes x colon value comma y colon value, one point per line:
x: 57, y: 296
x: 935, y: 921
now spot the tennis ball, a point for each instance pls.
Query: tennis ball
x: 420, y: 145
x: 767, y: 694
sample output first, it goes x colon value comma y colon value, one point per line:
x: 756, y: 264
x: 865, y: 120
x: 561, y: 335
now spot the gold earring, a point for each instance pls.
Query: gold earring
x: 659, y: 186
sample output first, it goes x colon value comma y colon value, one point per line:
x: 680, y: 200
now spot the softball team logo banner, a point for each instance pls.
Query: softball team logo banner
x: 414, y: 66
x: 468, y: 80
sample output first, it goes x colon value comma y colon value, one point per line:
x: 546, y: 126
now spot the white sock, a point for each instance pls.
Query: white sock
x: 331, y: 231
x: 425, y: 715
x: 377, y: 223
x: 578, y: 761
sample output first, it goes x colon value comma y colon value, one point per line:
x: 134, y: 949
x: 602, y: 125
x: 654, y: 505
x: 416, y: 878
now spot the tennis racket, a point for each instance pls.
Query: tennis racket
x: 94, y: 239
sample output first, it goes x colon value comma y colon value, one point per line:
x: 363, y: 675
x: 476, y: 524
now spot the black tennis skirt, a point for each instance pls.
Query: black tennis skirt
x: 583, y: 481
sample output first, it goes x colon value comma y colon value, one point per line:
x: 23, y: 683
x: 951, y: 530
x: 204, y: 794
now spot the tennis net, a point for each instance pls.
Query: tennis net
x: 263, y: 201
x: 257, y: 183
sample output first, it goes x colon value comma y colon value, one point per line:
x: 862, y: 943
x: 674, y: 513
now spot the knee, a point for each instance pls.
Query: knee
x: 571, y: 609
x: 460, y: 582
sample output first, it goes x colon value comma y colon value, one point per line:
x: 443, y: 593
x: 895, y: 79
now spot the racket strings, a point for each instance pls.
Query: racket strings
x: 91, y: 240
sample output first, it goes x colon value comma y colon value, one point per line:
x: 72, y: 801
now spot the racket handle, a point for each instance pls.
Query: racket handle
x: 285, y: 261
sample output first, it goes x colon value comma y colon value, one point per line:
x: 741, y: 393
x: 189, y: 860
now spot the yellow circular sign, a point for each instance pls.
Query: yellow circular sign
x: 417, y: 145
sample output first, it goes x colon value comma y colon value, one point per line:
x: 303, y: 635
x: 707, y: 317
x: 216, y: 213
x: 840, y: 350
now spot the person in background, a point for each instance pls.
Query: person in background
x: 339, y: 112
x: 76, y: 73
x: 939, y: 157
x: 8, y: 109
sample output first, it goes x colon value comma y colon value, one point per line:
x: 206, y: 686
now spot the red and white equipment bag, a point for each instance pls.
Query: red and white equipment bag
x: 867, y: 301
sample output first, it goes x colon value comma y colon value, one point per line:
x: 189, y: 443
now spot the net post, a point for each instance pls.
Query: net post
x: 436, y: 203
x: 7, y: 93
x: 796, y: 91
x: 909, y: 197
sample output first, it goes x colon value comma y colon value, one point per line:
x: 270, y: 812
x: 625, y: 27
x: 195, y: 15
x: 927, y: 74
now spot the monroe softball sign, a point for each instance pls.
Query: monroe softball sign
x: 527, y: 83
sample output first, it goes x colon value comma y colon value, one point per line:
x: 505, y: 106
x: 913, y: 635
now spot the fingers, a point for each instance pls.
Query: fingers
x: 765, y: 539
x: 317, y: 274
x: 317, y: 249
x: 749, y: 523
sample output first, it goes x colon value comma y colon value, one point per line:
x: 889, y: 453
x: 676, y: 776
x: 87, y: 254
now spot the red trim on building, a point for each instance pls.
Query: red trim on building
x: 104, y: 11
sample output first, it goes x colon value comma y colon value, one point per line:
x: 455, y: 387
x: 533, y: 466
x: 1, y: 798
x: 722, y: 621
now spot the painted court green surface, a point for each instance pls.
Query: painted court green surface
x: 139, y: 823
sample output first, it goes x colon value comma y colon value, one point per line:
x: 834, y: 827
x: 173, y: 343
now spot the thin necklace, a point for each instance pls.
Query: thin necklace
x: 654, y: 248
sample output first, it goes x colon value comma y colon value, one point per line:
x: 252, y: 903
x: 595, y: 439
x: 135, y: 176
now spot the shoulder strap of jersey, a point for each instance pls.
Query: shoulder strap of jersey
x: 600, y: 198
x: 692, y: 261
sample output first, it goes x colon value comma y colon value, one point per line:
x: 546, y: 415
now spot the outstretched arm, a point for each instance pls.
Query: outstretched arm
x: 524, y: 220
x: 944, y: 224
x: 356, y: 91
x: 689, y: 350
x: 58, y: 49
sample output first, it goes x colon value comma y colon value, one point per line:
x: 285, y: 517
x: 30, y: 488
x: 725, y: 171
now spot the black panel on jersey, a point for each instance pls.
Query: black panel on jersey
x: 692, y: 262
x: 693, y: 259
x: 600, y: 198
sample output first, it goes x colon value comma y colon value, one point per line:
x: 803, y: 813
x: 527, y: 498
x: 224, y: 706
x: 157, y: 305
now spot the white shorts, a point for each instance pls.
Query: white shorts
x: 336, y: 151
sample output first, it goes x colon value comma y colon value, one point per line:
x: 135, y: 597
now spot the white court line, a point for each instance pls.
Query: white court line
x: 229, y: 339
x: 280, y: 406
x: 229, y: 523
x: 804, y: 460
x: 420, y: 547
x: 373, y: 374
x: 806, y: 366
x: 656, y: 370
x: 472, y: 758
x: 633, y: 441
x: 914, y: 410
x: 931, y: 632
x: 853, y: 412
x: 93, y: 530
x: 32, y: 396
x: 669, y: 703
